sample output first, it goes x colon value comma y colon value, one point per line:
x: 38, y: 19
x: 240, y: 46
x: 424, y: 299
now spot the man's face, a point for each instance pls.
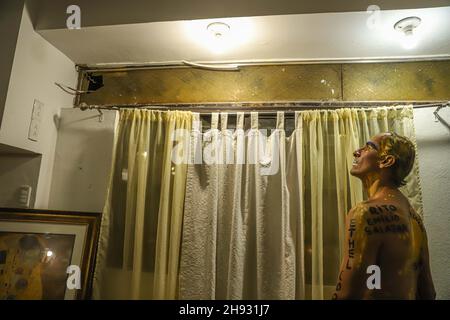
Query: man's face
x: 366, y: 158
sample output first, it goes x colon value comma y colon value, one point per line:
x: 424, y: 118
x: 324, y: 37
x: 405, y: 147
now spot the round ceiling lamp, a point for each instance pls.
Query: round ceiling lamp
x: 218, y: 29
x: 407, y: 26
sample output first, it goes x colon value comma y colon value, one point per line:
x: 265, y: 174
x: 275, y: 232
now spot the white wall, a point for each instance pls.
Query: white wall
x: 10, y: 17
x: 82, y: 160
x: 433, y: 140
x: 37, y: 65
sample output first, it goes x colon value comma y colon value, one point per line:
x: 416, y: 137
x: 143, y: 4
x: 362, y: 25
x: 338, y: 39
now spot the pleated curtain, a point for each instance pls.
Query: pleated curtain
x: 140, y: 236
x: 252, y: 216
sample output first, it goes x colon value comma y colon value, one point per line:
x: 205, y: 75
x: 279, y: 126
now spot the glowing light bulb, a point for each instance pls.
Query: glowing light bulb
x: 409, y: 41
x: 219, y: 37
x: 407, y: 26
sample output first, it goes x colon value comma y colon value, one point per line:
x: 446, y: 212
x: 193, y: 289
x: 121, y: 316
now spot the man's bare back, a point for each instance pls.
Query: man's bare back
x: 385, y: 232
x: 388, y: 233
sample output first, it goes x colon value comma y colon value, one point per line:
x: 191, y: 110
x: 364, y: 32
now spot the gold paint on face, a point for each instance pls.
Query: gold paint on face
x: 366, y: 158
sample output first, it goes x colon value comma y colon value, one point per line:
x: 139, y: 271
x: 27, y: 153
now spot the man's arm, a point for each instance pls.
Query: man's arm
x: 360, y: 252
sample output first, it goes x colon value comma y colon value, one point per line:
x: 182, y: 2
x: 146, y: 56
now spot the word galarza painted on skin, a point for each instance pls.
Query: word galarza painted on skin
x: 241, y: 309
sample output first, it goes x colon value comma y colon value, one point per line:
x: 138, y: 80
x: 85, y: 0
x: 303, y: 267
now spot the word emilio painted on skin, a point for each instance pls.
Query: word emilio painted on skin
x: 228, y: 147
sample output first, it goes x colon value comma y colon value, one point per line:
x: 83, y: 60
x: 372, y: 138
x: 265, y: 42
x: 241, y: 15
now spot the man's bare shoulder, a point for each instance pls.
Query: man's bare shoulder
x: 417, y: 218
x: 368, y: 208
x: 357, y: 218
x: 359, y: 210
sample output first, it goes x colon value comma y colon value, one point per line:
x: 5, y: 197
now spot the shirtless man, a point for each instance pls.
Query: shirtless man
x: 385, y: 230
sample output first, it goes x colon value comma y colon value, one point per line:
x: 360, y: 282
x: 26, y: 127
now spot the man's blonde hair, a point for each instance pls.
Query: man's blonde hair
x: 404, y: 152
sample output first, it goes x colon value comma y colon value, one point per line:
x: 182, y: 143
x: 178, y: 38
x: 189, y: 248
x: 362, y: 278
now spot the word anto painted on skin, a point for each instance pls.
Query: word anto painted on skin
x: 379, y: 209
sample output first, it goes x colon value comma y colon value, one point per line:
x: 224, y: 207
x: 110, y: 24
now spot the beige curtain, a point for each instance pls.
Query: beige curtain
x: 266, y: 224
x: 138, y: 253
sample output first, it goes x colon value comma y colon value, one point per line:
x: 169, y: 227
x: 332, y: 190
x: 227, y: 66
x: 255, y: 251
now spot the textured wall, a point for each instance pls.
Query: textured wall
x: 433, y: 140
x: 357, y: 82
x: 10, y: 16
x: 397, y: 81
x: 312, y: 82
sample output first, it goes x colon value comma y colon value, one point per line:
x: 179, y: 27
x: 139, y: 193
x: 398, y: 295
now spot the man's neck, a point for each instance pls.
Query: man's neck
x: 376, y: 187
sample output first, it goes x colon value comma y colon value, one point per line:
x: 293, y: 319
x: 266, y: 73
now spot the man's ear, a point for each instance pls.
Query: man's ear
x: 387, y: 161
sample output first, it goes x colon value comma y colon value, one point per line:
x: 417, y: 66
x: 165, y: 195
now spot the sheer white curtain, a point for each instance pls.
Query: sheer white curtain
x: 140, y: 235
x: 264, y: 216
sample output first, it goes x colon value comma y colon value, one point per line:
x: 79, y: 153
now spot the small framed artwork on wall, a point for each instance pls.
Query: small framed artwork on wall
x: 46, y: 254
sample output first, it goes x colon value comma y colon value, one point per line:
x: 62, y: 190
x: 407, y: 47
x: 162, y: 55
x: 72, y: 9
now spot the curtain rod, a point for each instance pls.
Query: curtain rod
x: 274, y: 106
x: 115, y: 67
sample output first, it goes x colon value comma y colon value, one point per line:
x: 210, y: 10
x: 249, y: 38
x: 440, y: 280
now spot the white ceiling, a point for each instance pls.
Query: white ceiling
x: 319, y: 36
x: 50, y: 14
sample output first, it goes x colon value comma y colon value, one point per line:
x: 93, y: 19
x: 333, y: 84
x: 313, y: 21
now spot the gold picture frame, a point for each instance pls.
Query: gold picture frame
x: 36, y: 248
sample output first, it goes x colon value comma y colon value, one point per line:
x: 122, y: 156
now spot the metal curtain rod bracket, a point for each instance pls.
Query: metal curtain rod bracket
x: 437, y: 116
x: 85, y: 106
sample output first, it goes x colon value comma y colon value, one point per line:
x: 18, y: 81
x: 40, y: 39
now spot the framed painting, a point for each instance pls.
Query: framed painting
x: 46, y: 254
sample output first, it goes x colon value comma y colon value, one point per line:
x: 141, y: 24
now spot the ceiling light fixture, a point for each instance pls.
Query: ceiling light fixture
x: 218, y: 29
x: 219, y: 37
x: 407, y: 27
